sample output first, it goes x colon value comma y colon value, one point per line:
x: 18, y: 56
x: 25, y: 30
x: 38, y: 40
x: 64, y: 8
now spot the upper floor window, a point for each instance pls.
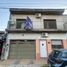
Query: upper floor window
x: 20, y: 23
x: 50, y: 24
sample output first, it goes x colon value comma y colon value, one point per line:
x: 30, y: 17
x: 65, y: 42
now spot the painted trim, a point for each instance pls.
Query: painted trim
x: 65, y: 43
x: 37, y: 50
x: 49, y: 47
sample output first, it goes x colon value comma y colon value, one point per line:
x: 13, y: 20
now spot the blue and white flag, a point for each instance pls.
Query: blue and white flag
x: 28, y: 24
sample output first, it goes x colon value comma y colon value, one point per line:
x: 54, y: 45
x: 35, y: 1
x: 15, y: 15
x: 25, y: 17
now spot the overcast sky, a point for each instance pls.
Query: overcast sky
x: 4, y: 13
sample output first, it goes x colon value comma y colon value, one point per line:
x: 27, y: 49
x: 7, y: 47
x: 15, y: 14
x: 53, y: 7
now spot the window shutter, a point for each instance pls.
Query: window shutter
x: 56, y: 42
x: 45, y: 24
x: 52, y: 24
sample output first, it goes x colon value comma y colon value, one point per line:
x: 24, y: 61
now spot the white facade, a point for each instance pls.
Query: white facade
x: 38, y: 22
x: 35, y: 36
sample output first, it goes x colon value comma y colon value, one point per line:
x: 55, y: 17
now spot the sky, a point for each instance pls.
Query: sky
x: 5, y: 4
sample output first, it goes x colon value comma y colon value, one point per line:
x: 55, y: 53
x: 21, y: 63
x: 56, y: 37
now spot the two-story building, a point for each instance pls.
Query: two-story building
x: 48, y: 32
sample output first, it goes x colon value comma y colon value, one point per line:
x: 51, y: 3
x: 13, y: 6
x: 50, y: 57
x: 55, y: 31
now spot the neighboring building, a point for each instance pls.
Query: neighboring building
x: 1, y: 33
x: 1, y: 42
x: 48, y: 32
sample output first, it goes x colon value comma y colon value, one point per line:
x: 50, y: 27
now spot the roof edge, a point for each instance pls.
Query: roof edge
x: 31, y: 10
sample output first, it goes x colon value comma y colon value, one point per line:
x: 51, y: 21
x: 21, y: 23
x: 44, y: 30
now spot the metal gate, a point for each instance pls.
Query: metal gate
x: 22, y: 49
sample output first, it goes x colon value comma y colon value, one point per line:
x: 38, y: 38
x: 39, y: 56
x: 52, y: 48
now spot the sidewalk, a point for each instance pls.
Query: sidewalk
x: 22, y: 63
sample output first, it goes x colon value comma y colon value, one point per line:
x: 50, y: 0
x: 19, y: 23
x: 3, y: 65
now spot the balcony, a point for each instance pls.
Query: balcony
x: 37, y: 27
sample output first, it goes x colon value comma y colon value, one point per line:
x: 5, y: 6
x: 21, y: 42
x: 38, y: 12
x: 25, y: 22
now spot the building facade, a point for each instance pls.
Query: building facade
x: 1, y: 41
x: 49, y: 32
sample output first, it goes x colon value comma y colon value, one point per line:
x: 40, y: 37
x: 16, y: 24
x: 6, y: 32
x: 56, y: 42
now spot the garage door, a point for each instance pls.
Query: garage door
x: 24, y: 49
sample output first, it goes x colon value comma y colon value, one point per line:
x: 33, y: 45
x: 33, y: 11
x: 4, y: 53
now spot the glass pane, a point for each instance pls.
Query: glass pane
x: 20, y: 23
x: 56, y: 46
x: 56, y: 53
x: 45, y: 25
x: 64, y: 55
x: 50, y: 24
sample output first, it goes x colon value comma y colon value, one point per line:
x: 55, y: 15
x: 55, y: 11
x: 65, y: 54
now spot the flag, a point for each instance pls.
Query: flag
x: 28, y: 24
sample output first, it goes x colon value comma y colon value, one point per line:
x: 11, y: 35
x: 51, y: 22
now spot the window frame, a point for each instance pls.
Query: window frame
x: 19, y: 21
x: 48, y: 21
x: 61, y: 45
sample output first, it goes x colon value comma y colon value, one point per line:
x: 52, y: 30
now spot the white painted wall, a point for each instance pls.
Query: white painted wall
x: 23, y: 36
x: 38, y: 23
x: 36, y: 36
x: 65, y: 22
x: 57, y: 36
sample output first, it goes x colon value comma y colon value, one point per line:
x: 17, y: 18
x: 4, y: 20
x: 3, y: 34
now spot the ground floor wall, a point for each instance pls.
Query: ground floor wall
x: 38, y: 38
x: 49, y: 47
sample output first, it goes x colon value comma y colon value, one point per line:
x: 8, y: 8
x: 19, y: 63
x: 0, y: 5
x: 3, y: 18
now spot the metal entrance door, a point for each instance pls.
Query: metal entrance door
x: 43, y: 50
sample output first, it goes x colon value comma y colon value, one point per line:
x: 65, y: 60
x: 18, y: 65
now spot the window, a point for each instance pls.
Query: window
x: 20, y: 23
x: 56, y: 53
x: 64, y: 55
x: 57, y: 44
x: 50, y: 24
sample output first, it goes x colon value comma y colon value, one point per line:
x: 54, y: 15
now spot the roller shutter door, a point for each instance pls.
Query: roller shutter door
x: 24, y: 49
